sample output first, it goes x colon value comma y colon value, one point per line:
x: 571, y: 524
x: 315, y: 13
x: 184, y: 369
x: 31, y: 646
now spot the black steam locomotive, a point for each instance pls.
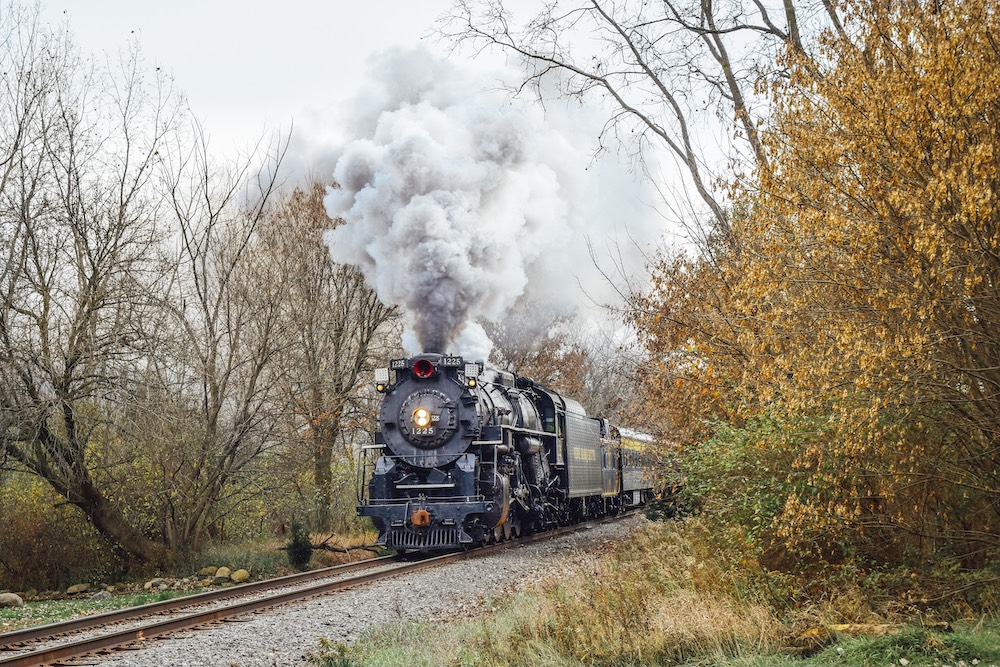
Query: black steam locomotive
x: 467, y: 455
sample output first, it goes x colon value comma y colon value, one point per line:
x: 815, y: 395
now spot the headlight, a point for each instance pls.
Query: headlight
x: 421, y: 418
x: 423, y: 369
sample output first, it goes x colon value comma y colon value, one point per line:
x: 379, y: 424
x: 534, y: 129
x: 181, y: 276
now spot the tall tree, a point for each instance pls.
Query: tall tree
x: 338, y: 327
x: 79, y: 151
x: 225, y: 301
x: 664, y: 71
x: 871, y: 262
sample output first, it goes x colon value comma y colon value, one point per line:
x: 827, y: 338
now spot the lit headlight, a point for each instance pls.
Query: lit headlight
x: 421, y: 418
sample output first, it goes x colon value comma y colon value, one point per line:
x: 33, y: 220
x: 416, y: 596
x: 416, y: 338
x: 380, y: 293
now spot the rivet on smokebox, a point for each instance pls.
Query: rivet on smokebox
x: 420, y: 518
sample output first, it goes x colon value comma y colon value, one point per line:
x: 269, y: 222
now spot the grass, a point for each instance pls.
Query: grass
x: 53, y: 611
x: 263, y: 558
x: 268, y: 558
x: 969, y: 645
x: 662, y: 599
x: 461, y: 645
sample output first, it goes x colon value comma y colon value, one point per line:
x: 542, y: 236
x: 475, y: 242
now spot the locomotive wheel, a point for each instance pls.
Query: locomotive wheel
x: 498, y: 534
x: 507, y: 530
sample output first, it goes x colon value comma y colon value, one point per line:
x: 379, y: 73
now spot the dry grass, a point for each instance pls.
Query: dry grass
x: 651, y: 601
x: 655, y: 600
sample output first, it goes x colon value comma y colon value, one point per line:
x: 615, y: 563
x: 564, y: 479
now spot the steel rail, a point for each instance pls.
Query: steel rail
x: 14, y: 637
x: 195, y: 619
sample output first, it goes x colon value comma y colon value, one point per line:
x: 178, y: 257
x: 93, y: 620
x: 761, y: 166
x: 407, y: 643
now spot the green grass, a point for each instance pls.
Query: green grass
x: 53, y: 611
x: 967, y: 646
x: 262, y: 558
x: 920, y: 647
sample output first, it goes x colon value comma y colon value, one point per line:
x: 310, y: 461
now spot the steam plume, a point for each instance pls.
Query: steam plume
x: 457, y: 205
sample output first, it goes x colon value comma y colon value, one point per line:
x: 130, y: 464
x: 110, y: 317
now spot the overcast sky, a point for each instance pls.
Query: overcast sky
x: 251, y: 68
x: 255, y: 65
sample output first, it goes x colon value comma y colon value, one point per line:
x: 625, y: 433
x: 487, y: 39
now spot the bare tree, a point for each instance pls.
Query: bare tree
x: 338, y: 328
x: 220, y: 373
x: 79, y: 149
x: 663, y: 70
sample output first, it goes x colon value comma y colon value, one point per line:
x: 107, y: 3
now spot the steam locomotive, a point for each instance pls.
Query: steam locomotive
x: 466, y: 455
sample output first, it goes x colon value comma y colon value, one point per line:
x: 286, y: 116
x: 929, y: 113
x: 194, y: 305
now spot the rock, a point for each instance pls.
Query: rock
x: 151, y: 583
x: 206, y: 582
x: 163, y: 586
x: 101, y: 595
x: 222, y: 572
x: 78, y: 588
x: 10, y: 600
x: 208, y: 571
x: 239, y: 576
x: 220, y: 580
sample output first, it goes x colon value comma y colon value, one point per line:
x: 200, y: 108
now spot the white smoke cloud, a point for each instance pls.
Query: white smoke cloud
x: 459, y: 206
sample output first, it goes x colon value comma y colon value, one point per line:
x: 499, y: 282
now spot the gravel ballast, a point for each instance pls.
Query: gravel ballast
x: 284, y: 635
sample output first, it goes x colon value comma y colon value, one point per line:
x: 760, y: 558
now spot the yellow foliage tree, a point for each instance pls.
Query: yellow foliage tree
x: 870, y: 265
x: 848, y: 327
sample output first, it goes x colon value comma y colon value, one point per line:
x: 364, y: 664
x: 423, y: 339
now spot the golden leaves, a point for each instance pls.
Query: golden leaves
x: 861, y: 287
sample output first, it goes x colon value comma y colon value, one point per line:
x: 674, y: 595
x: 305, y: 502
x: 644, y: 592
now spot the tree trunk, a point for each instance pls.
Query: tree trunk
x: 112, y: 525
x: 325, y: 438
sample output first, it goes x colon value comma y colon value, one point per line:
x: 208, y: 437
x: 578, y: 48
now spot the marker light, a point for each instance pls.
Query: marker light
x: 381, y: 379
x: 423, y: 369
x: 421, y: 418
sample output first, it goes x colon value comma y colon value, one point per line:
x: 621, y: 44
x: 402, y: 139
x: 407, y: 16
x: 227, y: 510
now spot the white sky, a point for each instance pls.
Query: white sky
x: 250, y: 68
x: 253, y: 66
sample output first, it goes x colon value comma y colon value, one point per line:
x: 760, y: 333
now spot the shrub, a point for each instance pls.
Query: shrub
x: 47, y: 543
x: 299, y: 547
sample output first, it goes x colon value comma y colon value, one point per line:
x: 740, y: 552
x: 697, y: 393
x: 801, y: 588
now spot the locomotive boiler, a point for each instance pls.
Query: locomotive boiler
x: 465, y: 454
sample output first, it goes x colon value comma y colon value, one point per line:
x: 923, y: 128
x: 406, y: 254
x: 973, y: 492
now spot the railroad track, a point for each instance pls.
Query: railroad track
x: 186, y: 616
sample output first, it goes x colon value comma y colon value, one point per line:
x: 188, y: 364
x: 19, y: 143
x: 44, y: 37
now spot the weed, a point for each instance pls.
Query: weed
x: 332, y: 654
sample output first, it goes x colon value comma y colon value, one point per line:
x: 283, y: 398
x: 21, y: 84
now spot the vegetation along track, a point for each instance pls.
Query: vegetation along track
x: 185, y: 618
